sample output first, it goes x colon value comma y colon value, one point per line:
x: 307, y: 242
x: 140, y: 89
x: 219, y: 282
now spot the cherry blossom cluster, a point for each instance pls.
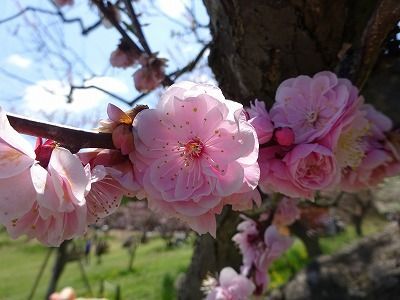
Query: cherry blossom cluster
x: 319, y: 135
x: 61, y: 3
x: 53, y: 195
x: 196, y: 152
x: 152, y: 70
x: 260, y: 243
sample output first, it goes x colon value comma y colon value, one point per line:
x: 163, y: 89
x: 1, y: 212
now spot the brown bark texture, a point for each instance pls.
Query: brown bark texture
x: 259, y: 43
x: 368, y: 270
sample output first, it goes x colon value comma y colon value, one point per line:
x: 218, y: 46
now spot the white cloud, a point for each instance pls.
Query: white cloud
x: 174, y: 8
x: 19, y: 61
x: 48, y: 97
x: 110, y: 84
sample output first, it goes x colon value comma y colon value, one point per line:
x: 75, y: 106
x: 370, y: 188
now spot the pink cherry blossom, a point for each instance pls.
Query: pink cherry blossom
x: 194, y: 149
x: 117, y: 165
x: 259, y: 249
x: 378, y: 160
x: 124, y: 56
x: 286, y: 212
x: 59, y: 212
x: 17, y: 166
x: 348, y: 140
x: 312, y: 106
x: 298, y: 172
x: 312, y: 167
x: 232, y: 286
x: 250, y: 243
x: 376, y: 165
x: 121, y: 59
x: 61, y: 3
x: 244, y: 201
x: 275, y: 175
x: 42, y: 191
x: 119, y: 123
x: 260, y: 120
x: 111, y: 178
x: 380, y: 124
x: 150, y: 75
x: 275, y: 245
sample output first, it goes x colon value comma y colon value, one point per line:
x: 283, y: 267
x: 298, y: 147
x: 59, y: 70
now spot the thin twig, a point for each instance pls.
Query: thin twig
x: 191, y: 65
x: 105, y: 10
x: 85, y: 277
x: 138, y: 27
x: 131, y: 103
x: 59, y: 13
x: 76, y: 87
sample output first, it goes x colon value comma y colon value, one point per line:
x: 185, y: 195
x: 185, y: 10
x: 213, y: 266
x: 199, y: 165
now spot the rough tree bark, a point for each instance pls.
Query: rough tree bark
x: 368, y: 270
x: 259, y: 43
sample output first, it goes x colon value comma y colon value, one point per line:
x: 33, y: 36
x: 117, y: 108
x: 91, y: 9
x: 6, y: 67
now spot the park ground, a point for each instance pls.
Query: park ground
x: 156, y: 268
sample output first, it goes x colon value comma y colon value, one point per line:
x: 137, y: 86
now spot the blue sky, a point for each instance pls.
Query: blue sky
x: 34, y: 76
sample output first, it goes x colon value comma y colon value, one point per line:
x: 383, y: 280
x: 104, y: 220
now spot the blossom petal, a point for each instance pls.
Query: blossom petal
x: 16, y: 197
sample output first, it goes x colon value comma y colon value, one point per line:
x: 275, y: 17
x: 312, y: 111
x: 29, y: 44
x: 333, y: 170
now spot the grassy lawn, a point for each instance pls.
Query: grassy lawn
x: 155, y: 270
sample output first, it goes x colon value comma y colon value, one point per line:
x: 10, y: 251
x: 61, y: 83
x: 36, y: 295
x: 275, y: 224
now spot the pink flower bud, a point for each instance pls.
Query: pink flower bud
x: 150, y: 75
x: 43, y: 151
x: 284, y: 136
x: 124, y: 56
x: 61, y: 3
x: 120, y: 125
x: 258, y: 117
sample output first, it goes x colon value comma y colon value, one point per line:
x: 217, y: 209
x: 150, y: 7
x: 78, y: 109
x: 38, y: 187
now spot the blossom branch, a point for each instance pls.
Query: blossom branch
x: 131, y: 103
x: 81, y: 87
x: 106, y: 10
x: 138, y: 27
x: 69, y: 137
x: 191, y: 65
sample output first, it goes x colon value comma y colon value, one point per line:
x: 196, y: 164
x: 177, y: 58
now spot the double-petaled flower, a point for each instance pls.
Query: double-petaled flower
x: 192, y: 150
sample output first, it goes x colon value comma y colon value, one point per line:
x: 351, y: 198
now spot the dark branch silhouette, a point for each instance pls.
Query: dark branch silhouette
x: 138, y: 27
x: 59, y: 13
x: 69, y: 137
x: 81, y: 87
x: 191, y: 65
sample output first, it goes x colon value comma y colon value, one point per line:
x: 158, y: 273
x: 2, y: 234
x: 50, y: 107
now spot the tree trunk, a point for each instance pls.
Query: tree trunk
x: 211, y: 255
x: 58, y: 268
x: 259, y: 43
x: 311, y: 242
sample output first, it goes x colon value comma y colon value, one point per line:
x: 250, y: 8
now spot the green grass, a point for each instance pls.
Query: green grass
x: 155, y: 270
x: 287, y: 265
